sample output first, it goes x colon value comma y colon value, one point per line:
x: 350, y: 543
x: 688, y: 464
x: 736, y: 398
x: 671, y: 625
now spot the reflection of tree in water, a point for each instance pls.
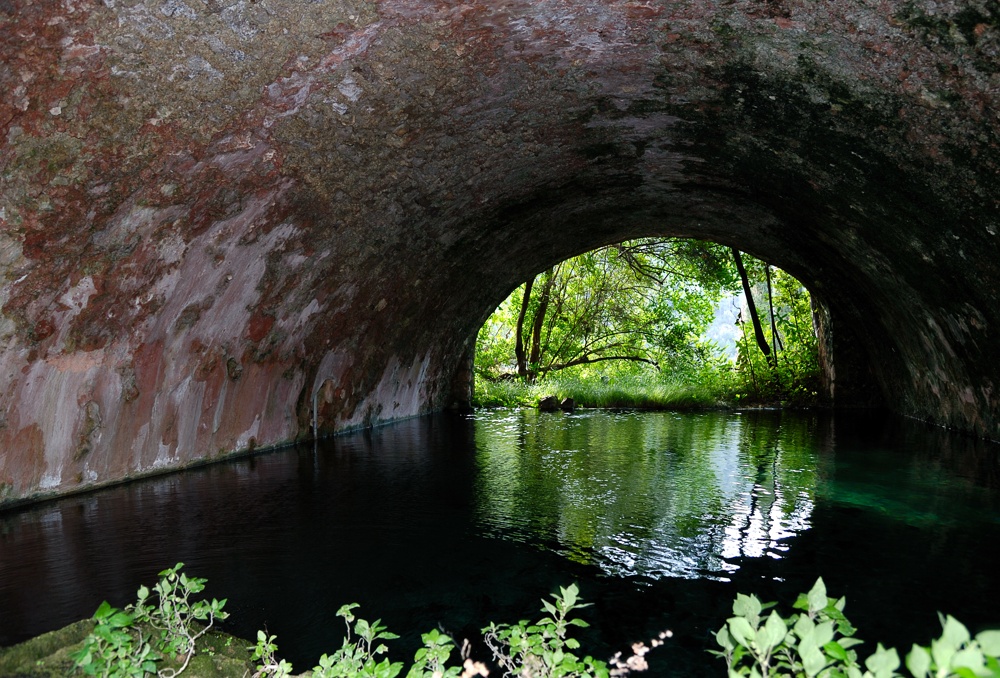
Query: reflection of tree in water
x: 655, y: 494
x: 776, y: 506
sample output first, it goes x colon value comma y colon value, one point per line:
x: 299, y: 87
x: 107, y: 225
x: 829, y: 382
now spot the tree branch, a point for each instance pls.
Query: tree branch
x: 586, y: 360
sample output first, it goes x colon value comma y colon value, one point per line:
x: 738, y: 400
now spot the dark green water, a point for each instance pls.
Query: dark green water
x: 455, y: 521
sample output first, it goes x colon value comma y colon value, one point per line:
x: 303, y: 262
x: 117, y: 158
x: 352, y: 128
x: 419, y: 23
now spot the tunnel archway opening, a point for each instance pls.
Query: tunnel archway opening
x: 655, y: 322
x: 249, y: 257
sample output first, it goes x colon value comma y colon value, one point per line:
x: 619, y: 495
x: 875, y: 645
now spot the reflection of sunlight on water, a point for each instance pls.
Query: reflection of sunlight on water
x: 656, y: 495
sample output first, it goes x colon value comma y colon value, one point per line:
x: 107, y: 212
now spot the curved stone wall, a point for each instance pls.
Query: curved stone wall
x: 223, y: 223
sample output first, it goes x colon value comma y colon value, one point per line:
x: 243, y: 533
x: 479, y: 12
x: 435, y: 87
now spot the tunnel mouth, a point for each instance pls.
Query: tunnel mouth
x: 307, y: 216
x: 654, y: 323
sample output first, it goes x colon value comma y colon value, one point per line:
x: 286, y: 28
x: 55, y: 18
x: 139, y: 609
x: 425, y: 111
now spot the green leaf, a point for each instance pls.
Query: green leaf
x: 724, y: 639
x: 120, y: 620
x: 570, y: 595
x: 104, y: 610
x: 761, y: 640
x: 918, y: 662
x: 747, y: 606
x: 345, y: 611
x: 823, y: 633
x: 970, y: 658
x: 817, y: 596
x: 955, y: 633
x: 775, y: 630
x: 741, y: 630
x: 804, y: 626
x: 836, y: 651
x: 990, y: 642
x: 171, y: 572
x: 942, y: 651
x: 883, y: 663
x: 813, y: 660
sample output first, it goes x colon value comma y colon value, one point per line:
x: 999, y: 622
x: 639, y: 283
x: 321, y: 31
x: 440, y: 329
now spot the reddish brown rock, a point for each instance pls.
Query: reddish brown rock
x: 223, y: 220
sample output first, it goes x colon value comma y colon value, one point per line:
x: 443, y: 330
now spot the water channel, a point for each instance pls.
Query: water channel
x: 453, y: 521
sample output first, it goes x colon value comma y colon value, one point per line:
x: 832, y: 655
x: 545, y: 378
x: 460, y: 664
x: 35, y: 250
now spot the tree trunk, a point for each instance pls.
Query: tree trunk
x: 522, y: 365
x: 539, y: 321
x: 746, y: 352
x: 775, y: 339
x: 758, y: 331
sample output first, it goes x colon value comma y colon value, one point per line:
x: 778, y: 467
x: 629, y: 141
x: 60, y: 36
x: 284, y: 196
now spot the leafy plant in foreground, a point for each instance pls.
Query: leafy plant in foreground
x: 119, y: 646
x: 957, y: 653
x: 116, y: 648
x: 819, y: 641
x: 264, y: 652
x: 543, y: 649
x: 357, y: 657
x: 170, y: 611
x: 431, y: 661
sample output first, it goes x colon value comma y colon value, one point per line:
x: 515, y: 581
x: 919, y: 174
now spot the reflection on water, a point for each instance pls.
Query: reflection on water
x: 653, y: 494
x: 445, y: 521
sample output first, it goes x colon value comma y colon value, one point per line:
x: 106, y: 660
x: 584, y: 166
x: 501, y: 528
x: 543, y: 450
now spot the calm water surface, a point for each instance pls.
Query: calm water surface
x: 455, y: 521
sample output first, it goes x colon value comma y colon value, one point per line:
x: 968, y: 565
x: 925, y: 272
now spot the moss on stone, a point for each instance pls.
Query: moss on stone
x: 46, y: 655
x: 219, y: 655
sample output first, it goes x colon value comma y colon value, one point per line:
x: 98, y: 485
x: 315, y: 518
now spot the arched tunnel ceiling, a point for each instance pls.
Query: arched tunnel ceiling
x: 215, y: 213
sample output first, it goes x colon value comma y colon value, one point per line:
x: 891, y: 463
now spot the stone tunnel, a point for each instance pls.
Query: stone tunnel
x: 227, y: 222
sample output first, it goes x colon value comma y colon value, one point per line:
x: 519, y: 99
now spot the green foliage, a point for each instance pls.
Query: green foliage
x: 793, y: 376
x: 636, y: 313
x: 640, y: 391
x: 535, y: 650
x: 264, y: 653
x: 503, y: 393
x: 431, y: 661
x: 357, y: 656
x: 957, y: 653
x: 170, y: 611
x: 120, y: 644
x: 647, y: 391
x: 543, y: 648
x: 819, y: 641
x: 623, y: 308
x: 116, y: 648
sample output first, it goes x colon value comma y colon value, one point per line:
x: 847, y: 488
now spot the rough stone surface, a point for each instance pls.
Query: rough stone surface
x: 50, y: 655
x: 226, y: 222
x: 549, y: 403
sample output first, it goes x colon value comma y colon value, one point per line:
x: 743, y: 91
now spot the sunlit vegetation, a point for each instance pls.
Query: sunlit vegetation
x: 628, y: 326
x: 636, y: 390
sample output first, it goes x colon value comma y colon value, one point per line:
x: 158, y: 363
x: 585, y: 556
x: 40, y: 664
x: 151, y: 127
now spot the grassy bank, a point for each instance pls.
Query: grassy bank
x: 625, y: 391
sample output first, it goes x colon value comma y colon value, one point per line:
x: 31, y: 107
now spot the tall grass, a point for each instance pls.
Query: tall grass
x: 626, y: 391
x: 506, y: 393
